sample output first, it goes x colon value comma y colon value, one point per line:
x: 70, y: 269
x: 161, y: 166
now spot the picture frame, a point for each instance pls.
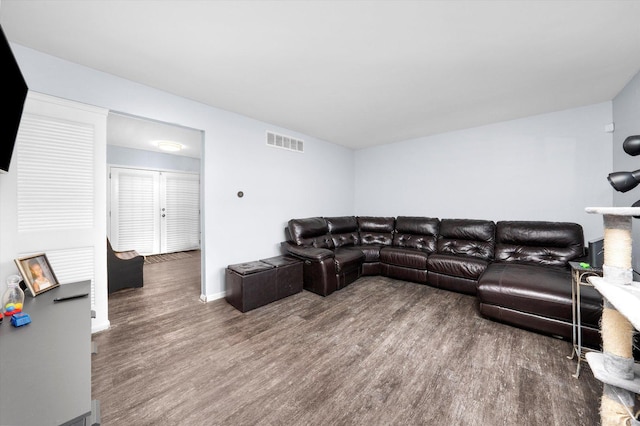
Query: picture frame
x: 37, y: 273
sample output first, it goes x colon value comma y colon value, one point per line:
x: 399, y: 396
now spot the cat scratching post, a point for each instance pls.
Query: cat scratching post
x: 615, y: 366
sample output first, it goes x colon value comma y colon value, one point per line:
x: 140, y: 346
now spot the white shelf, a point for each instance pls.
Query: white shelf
x: 596, y: 362
x: 614, y: 211
x: 624, y: 297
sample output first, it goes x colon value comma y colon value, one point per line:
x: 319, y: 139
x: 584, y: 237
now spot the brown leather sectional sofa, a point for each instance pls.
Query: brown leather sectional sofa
x: 517, y: 269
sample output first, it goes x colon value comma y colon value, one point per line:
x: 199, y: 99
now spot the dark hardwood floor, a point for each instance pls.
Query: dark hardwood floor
x: 379, y: 352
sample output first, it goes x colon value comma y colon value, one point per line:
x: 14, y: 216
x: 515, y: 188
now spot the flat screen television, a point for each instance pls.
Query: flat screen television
x: 596, y: 253
x: 14, y: 94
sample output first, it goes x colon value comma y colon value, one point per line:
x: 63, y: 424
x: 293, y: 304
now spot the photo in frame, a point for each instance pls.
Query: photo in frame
x: 37, y: 273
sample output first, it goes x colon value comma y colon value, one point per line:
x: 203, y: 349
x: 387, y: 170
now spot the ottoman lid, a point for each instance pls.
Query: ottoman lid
x: 250, y: 267
x: 281, y: 261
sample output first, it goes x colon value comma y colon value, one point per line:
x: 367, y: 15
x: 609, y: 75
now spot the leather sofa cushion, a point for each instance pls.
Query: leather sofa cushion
x: 540, y: 290
x: 376, y: 230
x: 406, y: 274
x: 310, y: 253
x: 347, y: 259
x: 310, y: 232
x: 457, y: 265
x: 371, y: 251
x: 416, y: 232
x: 343, y: 230
x: 467, y: 237
x: 407, y: 257
x: 537, y: 242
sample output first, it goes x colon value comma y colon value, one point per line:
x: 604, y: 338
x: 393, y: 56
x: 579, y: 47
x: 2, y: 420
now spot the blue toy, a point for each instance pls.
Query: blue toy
x: 20, y: 319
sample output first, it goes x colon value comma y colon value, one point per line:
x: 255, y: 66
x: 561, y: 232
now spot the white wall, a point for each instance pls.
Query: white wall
x: 130, y: 157
x: 626, y: 115
x: 546, y: 167
x: 278, y: 184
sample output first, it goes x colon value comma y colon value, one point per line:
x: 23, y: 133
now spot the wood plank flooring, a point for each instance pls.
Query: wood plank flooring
x: 379, y: 352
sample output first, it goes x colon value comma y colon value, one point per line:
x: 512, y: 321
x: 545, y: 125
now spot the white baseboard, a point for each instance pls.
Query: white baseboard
x: 99, y: 326
x: 211, y: 297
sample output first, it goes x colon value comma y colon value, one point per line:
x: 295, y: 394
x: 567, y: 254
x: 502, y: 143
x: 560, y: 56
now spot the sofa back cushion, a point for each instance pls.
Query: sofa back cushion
x: 468, y: 237
x: 376, y: 230
x: 416, y: 232
x: 538, y: 242
x: 343, y: 230
x: 310, y: 232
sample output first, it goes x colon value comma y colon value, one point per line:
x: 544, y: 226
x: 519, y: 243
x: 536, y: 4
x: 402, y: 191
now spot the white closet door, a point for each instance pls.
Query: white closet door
x: 180, y: 219
x: 135, y: 210
x: 54, y: 198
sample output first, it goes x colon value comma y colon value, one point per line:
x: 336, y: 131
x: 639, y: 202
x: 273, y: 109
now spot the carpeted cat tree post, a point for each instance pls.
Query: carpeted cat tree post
x: 615, y: 366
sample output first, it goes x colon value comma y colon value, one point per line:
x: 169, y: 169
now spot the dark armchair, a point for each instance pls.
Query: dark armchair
x: 124, y: 269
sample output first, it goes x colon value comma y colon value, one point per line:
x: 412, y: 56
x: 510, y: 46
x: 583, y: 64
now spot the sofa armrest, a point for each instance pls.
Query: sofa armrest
x: 308, y: 253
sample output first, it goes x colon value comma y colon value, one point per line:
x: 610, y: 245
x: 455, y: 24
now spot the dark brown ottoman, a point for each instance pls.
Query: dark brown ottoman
x: 288, y: 275
x: 250, y: 285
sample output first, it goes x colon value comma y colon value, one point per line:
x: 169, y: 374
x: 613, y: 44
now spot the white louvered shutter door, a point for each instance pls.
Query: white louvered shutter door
x: 54, y: 196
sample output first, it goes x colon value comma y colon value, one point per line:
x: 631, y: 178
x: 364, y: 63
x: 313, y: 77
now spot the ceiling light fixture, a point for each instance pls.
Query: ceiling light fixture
x: 169, y: 146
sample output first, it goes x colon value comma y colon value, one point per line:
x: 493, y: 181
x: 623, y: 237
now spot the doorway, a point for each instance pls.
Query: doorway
x: 154, y: 195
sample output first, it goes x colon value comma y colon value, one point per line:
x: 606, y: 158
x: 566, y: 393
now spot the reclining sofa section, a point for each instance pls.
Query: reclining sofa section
x: 518, y: 269
x: 529, y: 284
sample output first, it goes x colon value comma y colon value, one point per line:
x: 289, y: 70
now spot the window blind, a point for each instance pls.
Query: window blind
x: 182, y: 219
x: 136, y: 210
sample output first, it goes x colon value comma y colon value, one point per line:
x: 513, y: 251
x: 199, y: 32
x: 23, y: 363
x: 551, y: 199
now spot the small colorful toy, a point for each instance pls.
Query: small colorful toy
x: 20, y: 319
x: 12, y: 308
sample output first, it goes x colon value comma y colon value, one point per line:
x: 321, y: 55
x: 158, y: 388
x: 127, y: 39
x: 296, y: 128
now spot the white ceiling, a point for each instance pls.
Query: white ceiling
x: 356, y: 73
x: 141, y: 133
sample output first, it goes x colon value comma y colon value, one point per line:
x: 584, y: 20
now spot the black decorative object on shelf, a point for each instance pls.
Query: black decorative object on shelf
x: 626, y: 181
x: 631, y: 145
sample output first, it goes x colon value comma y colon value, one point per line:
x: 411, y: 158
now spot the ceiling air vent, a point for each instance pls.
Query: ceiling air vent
x: 277, y: 140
